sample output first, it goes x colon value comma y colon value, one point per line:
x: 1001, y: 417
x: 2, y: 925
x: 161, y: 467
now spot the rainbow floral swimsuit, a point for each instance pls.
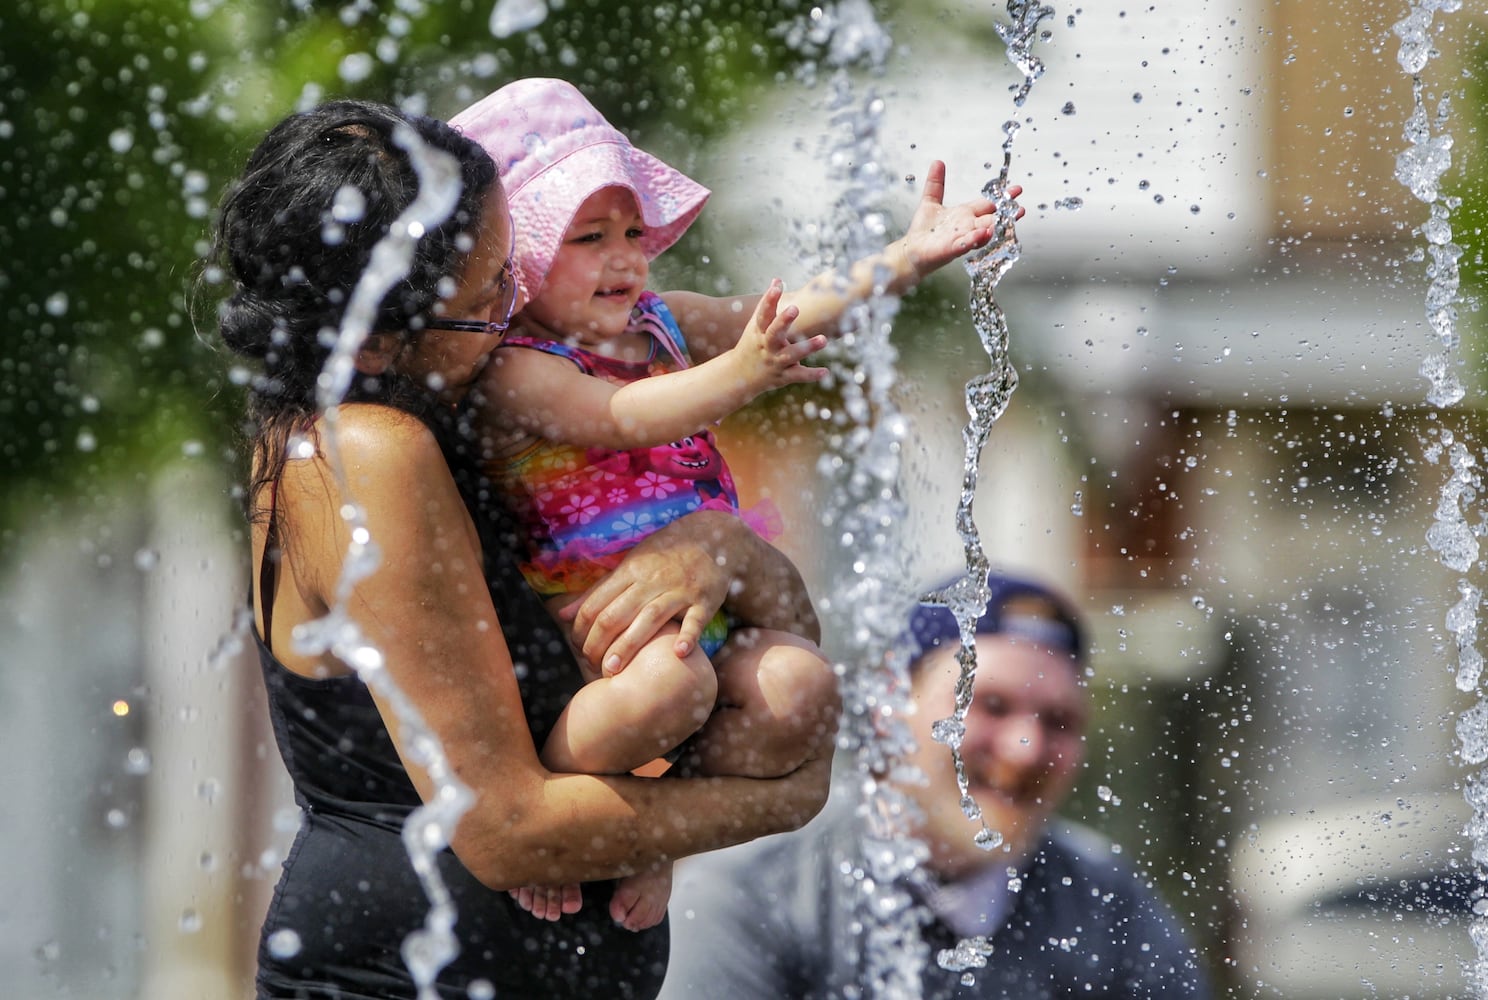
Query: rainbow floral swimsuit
x: 580, y: 509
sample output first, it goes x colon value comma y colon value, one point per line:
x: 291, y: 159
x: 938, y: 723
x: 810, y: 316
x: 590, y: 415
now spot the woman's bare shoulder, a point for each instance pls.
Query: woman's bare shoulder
x: 371, y: 455
x: 372, y: 433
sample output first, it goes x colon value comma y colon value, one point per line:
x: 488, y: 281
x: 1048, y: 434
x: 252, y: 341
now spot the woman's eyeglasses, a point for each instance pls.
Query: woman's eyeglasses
x: 507, y: 306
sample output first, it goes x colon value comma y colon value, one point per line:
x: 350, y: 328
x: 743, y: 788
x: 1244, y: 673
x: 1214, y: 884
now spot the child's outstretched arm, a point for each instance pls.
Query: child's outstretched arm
x: 547, y: 396
x: 937, y: 234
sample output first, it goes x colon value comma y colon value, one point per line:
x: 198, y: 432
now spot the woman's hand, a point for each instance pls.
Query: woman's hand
x: 686, y: 572
x: 673, y: 575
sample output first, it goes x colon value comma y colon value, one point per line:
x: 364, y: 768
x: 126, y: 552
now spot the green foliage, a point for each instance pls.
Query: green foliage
x: 102, y: 199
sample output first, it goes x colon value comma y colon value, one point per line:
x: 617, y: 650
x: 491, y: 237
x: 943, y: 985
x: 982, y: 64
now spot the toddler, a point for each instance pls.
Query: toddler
x: 596, y: 412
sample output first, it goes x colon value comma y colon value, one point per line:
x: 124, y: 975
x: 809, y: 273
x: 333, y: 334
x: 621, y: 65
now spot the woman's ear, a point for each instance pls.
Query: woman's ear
x: 377, y: 352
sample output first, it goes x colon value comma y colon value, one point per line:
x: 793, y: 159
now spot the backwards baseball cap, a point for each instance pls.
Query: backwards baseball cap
x: 1016, y: 607
x: 554, y: 150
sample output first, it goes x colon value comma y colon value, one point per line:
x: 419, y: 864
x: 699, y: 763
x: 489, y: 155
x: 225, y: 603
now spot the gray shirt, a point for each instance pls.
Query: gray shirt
x: 777, y: 919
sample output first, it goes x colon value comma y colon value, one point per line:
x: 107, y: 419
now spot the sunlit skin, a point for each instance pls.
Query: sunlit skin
x: 1023, y: 748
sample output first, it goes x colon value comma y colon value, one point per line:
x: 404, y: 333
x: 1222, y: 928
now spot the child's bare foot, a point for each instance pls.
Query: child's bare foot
x: 640, y: 901
x: 549, y: 902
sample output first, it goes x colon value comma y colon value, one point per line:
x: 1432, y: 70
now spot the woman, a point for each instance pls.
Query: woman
x: 463, y: 639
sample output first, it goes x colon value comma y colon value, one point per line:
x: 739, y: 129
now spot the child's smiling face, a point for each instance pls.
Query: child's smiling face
x: 598, y: 273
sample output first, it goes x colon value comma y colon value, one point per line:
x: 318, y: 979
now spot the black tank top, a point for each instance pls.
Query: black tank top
x: 348, y: 896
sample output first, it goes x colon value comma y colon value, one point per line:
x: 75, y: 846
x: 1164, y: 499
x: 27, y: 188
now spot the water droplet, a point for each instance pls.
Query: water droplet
x: 988, y: 840
x: 57, y: 304
x: 355, y: 67
x: 146, y: 560
x: 948, y: 731
x: 121, y: 140
x: 137, y: 761
x: 512, y: 16
x: 349, y: 205
x: 190, y: 922
x: 284, y: 943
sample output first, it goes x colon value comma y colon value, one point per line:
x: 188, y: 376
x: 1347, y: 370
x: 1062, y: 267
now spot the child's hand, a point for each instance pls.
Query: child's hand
x: 767, y: 355
x: 938, y: 233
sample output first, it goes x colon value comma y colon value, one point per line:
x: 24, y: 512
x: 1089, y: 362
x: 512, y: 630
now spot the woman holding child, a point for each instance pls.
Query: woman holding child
x: 467, y: 643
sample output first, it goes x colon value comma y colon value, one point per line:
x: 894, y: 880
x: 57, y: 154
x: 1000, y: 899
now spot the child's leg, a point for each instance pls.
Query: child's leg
x: 778, y: 705
x: 615, y: 724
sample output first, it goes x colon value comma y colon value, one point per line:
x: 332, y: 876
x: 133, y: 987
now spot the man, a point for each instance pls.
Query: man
x: 1056, y: 913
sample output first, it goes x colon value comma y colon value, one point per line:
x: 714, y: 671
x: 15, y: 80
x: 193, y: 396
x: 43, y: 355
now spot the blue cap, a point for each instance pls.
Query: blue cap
x: 1017, y: 607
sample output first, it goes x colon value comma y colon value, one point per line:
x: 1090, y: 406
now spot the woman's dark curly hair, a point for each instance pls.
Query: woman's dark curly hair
x: 295, y: 233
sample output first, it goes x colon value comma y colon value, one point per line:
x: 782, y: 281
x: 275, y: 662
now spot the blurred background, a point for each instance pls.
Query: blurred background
x: 1221, y: 444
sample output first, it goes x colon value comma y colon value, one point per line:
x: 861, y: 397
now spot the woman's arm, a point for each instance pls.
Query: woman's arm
x: 427, y: 609
x: 937, y: 234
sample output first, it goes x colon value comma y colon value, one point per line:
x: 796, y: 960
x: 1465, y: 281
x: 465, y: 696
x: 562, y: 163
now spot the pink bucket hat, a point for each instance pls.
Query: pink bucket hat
x: 554, y: 150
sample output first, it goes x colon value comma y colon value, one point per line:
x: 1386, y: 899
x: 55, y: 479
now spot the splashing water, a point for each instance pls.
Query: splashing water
x: 1018, y: 35
x: 509, y: 17
x: 1420, y: 167
x: 987, y: 397
x: 867, y: 467
x: 428, y: 829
